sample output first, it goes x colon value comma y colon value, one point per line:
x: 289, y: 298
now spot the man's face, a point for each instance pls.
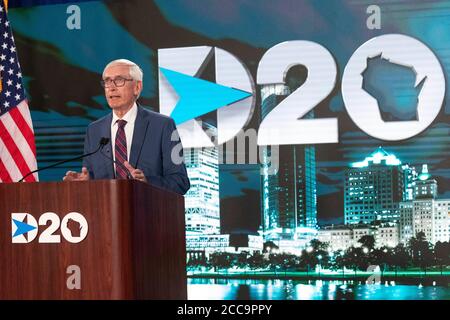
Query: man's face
x: 121, y: 97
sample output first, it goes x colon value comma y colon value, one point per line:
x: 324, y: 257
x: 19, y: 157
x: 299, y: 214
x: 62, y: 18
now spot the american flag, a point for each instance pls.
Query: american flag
x: 17, y: 147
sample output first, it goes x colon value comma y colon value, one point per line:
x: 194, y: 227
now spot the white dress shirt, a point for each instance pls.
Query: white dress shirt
x: 130, y: 118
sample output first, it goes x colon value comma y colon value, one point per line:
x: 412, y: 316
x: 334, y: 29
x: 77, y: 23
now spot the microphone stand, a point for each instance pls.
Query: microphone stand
x: 103, y: 142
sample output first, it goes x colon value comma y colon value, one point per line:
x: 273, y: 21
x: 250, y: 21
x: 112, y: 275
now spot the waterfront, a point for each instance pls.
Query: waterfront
x: 275, y: 289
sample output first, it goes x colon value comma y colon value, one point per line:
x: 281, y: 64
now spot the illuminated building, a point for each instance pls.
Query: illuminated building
x: 202, y: 207
x: 424, y: 187
x: 425, y: 213
x: 374, y: 188
x: 342, y: 237
x: 289, y: 195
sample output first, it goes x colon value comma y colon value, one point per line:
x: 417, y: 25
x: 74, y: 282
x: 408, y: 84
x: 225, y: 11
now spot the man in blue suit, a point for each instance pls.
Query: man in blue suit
x: 144, y: 145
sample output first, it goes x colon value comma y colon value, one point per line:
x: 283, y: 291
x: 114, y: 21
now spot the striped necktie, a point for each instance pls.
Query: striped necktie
x: 120, y: 151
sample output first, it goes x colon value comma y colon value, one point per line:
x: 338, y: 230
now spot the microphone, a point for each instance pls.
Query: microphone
x: 129, y: 176
x: 103, y: 141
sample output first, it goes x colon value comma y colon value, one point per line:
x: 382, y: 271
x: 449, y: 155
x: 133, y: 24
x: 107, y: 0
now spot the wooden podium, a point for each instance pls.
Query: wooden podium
x: 134, y: 247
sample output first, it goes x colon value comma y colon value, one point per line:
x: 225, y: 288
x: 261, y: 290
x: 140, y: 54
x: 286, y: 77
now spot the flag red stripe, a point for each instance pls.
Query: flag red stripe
x: 24, y: 128
x: 15, y: 153
x: 4, y: 175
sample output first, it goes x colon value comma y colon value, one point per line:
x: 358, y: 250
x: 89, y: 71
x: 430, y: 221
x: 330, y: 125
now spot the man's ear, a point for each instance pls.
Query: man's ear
x: 138, y: 88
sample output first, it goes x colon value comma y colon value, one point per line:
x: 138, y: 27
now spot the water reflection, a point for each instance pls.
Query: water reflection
x: 231, y: 289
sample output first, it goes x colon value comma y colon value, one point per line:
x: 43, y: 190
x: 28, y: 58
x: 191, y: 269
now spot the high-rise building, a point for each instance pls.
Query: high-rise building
x: 431, y: 218
x: 425, y: 213
x: 405, y: 224
x: 289, y: 195
x: 202, y: 203
x: 409, y: 178
x: 374, y: 187
x: 424, y: 187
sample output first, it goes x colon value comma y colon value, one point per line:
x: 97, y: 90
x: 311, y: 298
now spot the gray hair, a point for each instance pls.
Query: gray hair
x: 135, y: 71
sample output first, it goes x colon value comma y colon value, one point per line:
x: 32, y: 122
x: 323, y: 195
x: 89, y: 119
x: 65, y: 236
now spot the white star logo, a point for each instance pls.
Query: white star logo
x: 12, y: 60
x: 4, y: 46
x: 17, y: 96
x: 18, y: 86
x: 7, y: 93
x: 3, y: 57
x: 11, y: 72
x: 6, y: 104
x: 5, y: 35
x: 9, y: 82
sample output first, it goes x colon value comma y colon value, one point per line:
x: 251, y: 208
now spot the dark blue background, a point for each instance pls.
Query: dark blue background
x: 28, y: 3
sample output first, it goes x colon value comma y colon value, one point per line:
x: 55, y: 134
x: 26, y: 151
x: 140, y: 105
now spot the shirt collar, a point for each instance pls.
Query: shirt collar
x: 129, y: 117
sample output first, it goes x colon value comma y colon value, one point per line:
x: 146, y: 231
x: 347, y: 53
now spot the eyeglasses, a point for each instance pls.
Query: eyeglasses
x: 118, y: 82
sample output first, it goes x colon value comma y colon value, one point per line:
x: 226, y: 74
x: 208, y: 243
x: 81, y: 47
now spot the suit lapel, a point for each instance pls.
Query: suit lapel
x: 107, y: 149
x: 140, y: 130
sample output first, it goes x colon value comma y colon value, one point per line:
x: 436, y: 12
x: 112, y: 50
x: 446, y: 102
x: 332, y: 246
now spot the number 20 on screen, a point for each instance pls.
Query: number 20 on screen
x: 284, y: 123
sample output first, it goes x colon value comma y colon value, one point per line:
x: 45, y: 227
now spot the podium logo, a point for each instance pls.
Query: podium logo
x: 74, y: 227
x: 24, y: 227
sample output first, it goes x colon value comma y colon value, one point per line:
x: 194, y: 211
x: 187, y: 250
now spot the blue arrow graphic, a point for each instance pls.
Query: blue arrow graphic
x: 198, y: 97
x: 22, y: 228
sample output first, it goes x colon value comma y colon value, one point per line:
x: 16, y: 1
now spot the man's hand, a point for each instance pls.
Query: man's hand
x: 77, y: 176
x: 137, y: 174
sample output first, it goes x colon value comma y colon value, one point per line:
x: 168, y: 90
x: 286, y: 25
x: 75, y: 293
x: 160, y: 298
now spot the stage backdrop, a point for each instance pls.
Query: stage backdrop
x: 313, y: 116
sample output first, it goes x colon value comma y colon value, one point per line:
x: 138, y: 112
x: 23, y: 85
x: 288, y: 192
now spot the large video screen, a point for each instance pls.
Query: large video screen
x: 315, y: 133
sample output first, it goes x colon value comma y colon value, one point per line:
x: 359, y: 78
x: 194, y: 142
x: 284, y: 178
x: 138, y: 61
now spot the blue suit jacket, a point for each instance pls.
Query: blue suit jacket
x: 151, y: 151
